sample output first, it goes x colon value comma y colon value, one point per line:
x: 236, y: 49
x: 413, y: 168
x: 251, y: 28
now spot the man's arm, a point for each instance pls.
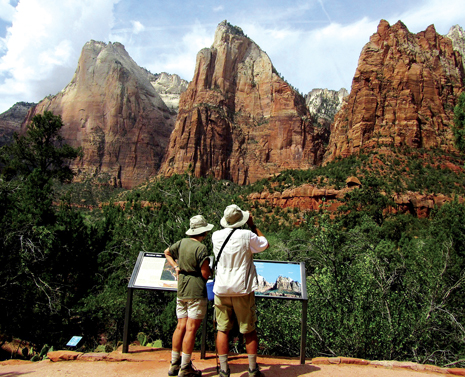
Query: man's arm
x: 171, y: 261
x: 205, y: 269
x: 258, y: 232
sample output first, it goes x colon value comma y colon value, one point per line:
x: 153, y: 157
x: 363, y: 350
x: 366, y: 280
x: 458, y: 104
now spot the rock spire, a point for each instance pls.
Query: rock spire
x: 403, y: 93
x: 111, y: 109
x: 238, y: 119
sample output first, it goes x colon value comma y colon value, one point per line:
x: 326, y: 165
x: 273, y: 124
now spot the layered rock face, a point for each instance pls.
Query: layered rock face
x: 238, y: 119
x: 457, y: 35
x: 11, y: 120
x: 310, y: 197
x: 323, y: 104
x: 111, y: 109
x: 286, y: 284
x: 403, y: 93
x: 169, y: 87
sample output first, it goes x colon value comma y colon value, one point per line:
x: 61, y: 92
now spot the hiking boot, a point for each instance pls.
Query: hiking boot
x: 174, y: 368
x: 225, y: 374
x: 256, y: 372
x: 190, y: 371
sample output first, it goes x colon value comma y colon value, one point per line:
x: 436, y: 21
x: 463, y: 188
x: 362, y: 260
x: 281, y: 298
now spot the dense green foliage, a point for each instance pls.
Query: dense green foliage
x: 40, y: 150
x: 398, y: 170
x: 47, y: 262
x: 459, y: 123
x: 380, y: 285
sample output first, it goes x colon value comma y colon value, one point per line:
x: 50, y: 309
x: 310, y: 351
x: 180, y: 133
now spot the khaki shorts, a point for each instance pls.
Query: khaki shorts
x: 194, y: 308
x: 242, y: 307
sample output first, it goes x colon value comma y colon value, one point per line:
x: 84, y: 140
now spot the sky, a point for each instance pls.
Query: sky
x: 311, y: 43
x: 271, y: 271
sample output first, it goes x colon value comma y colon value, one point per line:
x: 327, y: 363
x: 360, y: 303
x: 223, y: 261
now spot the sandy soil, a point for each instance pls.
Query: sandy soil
x: 156, y: 363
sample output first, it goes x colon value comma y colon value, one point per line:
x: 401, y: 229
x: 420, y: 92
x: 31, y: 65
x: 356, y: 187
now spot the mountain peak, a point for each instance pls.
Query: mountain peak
x: 225, y: 31
x: 457, y: 35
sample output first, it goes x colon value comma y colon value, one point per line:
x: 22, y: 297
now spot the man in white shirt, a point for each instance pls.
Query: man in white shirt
x: 235, y: 283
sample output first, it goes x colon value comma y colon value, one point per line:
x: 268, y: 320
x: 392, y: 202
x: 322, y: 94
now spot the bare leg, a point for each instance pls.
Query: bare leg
x: 222, y: 345
x: 189, y: 337
x: 178, y: 334
x: 251, y: 342
x: 222, y: 342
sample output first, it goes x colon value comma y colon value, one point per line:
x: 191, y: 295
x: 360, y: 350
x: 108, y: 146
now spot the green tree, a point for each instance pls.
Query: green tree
x: 44, y: 250
x: 459, y: 123
x: 41, y: 149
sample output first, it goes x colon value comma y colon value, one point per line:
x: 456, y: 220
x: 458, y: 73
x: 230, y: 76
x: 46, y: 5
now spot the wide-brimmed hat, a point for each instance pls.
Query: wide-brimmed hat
x: 198, y: 225
x: 234, y: 217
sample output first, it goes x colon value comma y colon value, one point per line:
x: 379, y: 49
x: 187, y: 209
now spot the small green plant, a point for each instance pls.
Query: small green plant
x: 142, y: 338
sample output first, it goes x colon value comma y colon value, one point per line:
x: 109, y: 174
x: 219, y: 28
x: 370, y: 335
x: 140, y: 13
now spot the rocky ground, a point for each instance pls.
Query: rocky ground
x: 144, y: 361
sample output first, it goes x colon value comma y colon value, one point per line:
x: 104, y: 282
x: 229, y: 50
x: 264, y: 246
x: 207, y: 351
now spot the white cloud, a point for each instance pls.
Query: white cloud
x: 319, y: 58
x: 137, y: 27
x: 218, y: 8
x: 442, y: 13
x: 7, y: 10
x: 44, y: 43
x: 180, y: 57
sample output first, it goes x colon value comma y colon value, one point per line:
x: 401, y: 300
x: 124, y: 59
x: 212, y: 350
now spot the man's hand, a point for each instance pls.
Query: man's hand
x: 250, y: 222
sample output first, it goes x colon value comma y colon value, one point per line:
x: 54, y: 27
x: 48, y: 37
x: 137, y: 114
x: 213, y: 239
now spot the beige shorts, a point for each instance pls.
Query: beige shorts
x: 240, y: 307
x: 194, y: 308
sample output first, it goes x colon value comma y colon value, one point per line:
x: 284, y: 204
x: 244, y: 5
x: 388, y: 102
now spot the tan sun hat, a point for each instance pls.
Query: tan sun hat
x: 234, y: 217
x: 198, y: 225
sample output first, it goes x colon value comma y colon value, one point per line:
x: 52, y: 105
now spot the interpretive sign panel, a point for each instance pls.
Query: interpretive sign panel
x: 281, y: 280
x: 152, y: 271
x: 73, y: 342
x: 275, y: 279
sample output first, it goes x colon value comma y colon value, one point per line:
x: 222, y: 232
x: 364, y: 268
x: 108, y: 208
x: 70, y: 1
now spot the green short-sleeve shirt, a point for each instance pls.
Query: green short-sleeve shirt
x: 190, y: 255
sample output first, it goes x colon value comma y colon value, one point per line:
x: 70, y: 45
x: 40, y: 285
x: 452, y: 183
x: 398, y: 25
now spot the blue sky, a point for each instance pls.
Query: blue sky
x: 312, y: 43
x: 271, y: 271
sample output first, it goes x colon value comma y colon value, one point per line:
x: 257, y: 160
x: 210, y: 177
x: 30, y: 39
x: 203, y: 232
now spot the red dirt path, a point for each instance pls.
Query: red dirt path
x: 155, y: 362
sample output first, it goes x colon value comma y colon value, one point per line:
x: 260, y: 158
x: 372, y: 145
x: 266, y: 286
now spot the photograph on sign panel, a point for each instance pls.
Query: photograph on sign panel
x: 278, y: 279
x: 169, y: 273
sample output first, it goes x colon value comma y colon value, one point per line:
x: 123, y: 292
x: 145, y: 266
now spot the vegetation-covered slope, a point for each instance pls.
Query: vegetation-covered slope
x: 381, y: 285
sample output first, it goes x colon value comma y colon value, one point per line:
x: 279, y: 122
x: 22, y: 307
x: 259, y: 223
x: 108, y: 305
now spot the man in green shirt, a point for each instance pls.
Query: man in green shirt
x: 191, y: 261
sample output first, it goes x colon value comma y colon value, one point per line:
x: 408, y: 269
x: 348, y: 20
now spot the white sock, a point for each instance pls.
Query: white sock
x: 175, y: 356
x: 252, y: 361
x: 185, y: 359
x: 224, y: 362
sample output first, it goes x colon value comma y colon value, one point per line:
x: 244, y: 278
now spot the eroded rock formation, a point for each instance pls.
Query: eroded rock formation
x: 11, y: 120
x: 457, y: 35
x: 287, y: 284
x: 238, y: 119
x: 323, y: 104
x: 169, y: 87
x: 311, y: 197
x: 111, y: 109
x: 403, y: 93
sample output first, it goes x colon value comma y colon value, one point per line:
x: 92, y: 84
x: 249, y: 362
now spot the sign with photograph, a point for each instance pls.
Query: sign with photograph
x: 275, y: 279
x: 281, y: 280
x: 152, y: 271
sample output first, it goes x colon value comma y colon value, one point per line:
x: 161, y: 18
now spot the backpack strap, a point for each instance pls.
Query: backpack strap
x: 221, y: 250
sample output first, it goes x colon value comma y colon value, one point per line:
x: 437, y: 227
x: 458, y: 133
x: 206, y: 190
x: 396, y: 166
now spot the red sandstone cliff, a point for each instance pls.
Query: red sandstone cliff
x: 238, y: 119
x: 111, y: 109
x: 403, y: 93
x: 309, y: 197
